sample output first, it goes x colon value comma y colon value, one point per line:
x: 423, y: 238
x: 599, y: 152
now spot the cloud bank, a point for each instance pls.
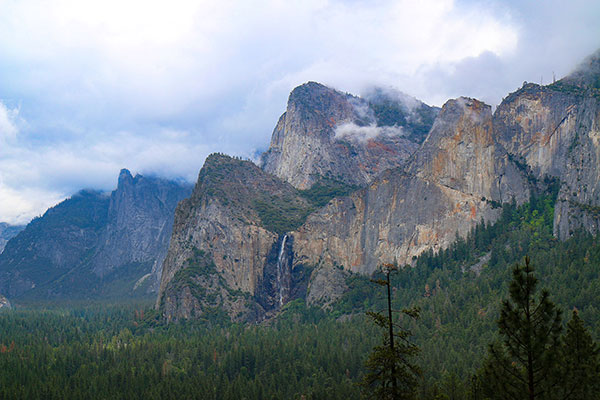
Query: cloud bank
x: 87, y: 88
x: 358, y: 133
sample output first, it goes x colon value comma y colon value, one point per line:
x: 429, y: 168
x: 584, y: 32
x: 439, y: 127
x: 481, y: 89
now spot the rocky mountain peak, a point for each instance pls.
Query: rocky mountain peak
x: 124, y: 177
x: 469, y: 164
x: 458, y: 117
x: 317, y: 100
x: 229, y: 241
x: 553, y: 133
x: 456, y: 178
x: 472, y: 108
x: 241, y: 185
x: 325, y: 133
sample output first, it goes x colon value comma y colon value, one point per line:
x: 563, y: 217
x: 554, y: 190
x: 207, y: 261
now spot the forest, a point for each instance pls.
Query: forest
x: 102, y: 351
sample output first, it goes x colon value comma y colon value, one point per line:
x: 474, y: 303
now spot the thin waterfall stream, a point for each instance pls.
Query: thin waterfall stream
x: 280, y: 271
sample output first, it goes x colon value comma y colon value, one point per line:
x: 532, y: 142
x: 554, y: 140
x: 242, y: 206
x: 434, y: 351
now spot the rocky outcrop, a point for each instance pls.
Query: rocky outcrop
x: 139, y: 224
x: 327, y: 285
x: 7, y: 232
x: 4, y: 303
x: 94, y: 244
x: 554, y: 131
x: 326, y: 133
x: 235, y: 220
x: 457, y: 178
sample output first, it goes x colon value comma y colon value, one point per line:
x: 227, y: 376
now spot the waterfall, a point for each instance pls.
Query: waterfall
x: 280, y: 270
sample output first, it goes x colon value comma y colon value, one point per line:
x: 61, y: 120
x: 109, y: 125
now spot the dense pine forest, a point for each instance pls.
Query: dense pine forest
x: 111, y: 352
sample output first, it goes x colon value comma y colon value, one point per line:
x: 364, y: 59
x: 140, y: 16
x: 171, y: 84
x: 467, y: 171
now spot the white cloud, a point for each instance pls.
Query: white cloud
x: 351, y: 131
x: 33, y: 179
x: 155, y: 86
x: 20, y: 206
x: 8, y: 127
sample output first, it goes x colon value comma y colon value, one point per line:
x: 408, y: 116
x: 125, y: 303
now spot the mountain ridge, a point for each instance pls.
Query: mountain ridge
x: 85, y: 246
x: 470, y: 163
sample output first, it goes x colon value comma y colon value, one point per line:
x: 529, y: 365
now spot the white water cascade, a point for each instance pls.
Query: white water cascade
x: 280, y: 271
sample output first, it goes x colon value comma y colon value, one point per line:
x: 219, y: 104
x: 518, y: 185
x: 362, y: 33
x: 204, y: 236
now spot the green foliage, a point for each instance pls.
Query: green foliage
x: 85, y: 211
x: 251, y: 194
x: 326, y: 189
x: 594, y: 211
x: 525, y: 364
x: 564, y: 86
x: 458, y: 293
x: 388, y: 113
x: 84, y: 286
x: 120, y: 353
x: 198, y: 265
x: 391, y: 371
x: 579, y: 366
x: 568, y: 87
x: 280, y: 216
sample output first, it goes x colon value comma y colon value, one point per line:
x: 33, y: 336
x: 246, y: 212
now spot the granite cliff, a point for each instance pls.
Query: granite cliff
x: 554, y: 131
x: 241, y: 242
x: 415, y: 193
x: 94, y: 245
x: 228, y: 250
x: 458, y: 177
x: 326, y: 133
x: 139, y: 225
x: 4, y: 303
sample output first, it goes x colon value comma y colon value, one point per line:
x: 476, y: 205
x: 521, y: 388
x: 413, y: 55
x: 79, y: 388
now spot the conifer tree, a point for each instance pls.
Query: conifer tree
x: 524, y: 365
x: 391, y: 372
x: 580, y: 363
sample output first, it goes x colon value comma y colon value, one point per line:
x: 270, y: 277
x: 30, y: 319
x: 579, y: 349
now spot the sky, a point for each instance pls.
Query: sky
x: 90, y: 87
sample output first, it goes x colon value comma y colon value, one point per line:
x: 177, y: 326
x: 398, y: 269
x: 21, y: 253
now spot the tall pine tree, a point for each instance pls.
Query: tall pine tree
x: 580, y: 363
x: 392, y: 374
x: 524, y: 365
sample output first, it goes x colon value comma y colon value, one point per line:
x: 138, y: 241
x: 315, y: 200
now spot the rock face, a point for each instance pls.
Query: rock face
x: 7, y: 232
x: 139, y: 224
x: 326, y: 133
x: 554, y: 131
x: 4, y: 303
x: 228, y: 249
x: 412, y: 198
x: 94, y: 244
x: 327, y: 285
x: 227, y: 252
x: 455, y: 179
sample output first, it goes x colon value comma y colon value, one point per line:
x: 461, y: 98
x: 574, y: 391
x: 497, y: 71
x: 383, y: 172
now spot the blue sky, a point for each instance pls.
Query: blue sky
x: 88, y: 88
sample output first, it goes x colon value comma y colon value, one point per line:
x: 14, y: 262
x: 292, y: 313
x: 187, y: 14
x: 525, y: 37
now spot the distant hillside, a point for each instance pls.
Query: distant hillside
x: 94, y: 245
